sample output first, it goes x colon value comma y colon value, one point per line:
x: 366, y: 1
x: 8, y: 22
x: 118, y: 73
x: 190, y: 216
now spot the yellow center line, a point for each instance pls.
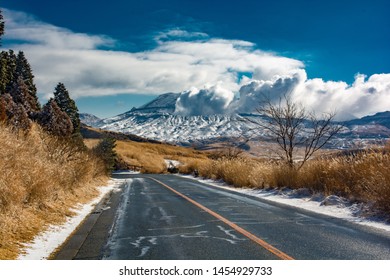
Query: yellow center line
x: 239, y: 229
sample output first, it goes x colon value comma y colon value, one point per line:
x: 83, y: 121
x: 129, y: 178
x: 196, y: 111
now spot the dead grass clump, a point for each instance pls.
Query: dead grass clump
x: 365, y: 176
x: 41, y: 179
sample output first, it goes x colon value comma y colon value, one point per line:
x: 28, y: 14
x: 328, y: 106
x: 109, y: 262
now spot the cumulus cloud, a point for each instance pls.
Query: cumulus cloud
x: 210, y: 100
x: 363, y: 97
x: 214, y: 69
x: 181, y: 60
x: 253, y: 93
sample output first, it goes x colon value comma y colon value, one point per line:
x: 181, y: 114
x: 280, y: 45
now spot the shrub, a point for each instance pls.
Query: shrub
x: 105, y: 150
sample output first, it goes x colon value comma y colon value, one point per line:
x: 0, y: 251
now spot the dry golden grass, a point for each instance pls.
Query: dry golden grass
x: 149, y: 158
x: 362, y: 177
x: 365, y: 177
x: 41, y: 179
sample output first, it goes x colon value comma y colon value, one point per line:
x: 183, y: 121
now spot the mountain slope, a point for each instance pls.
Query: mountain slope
x: 90, y: 119
x: 156, y: 120
x: 382, y: 119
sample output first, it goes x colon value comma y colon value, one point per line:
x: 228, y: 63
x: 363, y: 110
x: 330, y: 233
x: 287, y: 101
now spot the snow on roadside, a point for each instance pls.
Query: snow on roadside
x: 175, y: 163
x: 45, y: 243
x: 332, y: 205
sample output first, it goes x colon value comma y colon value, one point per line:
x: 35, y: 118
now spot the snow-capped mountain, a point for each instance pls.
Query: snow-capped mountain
x: 156, y: 120
x: 90, y: 119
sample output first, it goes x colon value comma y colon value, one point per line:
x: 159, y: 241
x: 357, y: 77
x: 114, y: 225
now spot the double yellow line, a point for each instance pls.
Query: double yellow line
x: 239, y: 229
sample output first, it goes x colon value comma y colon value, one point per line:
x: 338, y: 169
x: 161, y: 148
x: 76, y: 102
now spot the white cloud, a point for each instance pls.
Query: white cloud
x: 24, y: 27
x: 363, y: 97
x: 176, y: 64
x: 179, y: 34
x: 180, y: 61
x: 208, y: 101
x: 254, y: 92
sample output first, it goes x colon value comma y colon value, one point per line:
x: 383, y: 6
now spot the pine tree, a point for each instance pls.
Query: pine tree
x: 7, y: 71
x: 3, y: 72
x: 23, y: 70
x: 1, y: 25
x: 105, y: 150
x: 13, y: 114
x: 22, y: 95
x: 54, y: 120
x: 67, y: 105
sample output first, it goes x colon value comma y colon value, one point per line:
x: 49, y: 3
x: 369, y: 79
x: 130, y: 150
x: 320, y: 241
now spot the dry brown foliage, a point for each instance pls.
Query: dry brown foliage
x: 41, y: 179
x: 362, y: 177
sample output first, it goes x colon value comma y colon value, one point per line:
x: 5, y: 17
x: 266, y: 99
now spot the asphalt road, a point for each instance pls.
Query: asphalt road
x: 169, y: 217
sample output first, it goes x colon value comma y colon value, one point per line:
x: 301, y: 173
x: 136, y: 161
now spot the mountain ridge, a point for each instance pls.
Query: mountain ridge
x: 156, y: 120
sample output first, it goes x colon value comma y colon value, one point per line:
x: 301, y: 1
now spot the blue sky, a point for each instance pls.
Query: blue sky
x: 330, y: 40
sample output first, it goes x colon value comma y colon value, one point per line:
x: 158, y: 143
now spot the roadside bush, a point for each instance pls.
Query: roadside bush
x: 105, y: 150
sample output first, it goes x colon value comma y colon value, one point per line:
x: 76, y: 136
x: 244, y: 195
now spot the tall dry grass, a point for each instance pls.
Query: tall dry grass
x: 41, y: 179
x: 361, y: 177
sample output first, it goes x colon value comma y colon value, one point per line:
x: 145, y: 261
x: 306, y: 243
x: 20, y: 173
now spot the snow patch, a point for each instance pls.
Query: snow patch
x: 170, y: 162
x: 46, y: 242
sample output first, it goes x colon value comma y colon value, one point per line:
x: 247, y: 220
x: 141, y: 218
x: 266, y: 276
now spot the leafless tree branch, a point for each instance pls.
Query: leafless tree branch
x: 291, y: 126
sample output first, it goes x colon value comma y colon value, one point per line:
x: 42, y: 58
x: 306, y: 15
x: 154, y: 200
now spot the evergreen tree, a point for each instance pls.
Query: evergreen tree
x: 105, y: 151
x: 22, y: 95
x: 54, y: 120
x: 7, y: 71
x: 23, y: 70
x: 13, y: 114
x: 1, y: 25
x: 3, y: 72
x: 67, y: 105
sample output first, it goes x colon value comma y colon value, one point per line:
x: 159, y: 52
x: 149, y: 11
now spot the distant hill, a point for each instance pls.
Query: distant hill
x: 90, y: 119
x: 96, y: 133
x: 382, y: 119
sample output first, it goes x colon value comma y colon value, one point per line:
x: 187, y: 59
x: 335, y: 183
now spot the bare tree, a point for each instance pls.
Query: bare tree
x: 292, y: 126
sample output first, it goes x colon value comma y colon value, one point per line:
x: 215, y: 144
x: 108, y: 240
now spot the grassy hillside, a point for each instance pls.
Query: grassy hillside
x: 41, y: 179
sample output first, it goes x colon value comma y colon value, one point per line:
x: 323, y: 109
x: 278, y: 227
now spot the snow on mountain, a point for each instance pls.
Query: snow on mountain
x: 382, y: 119
x: 163, y: 103
x: 156, y: 120
x: 179, y: 129
x: 90, y: 119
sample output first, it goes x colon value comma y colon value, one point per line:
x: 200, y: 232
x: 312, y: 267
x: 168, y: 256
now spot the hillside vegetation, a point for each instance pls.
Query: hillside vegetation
x: 42, y: 178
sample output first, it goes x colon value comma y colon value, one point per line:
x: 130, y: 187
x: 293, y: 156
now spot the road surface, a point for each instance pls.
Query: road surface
x: 170, y: 217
